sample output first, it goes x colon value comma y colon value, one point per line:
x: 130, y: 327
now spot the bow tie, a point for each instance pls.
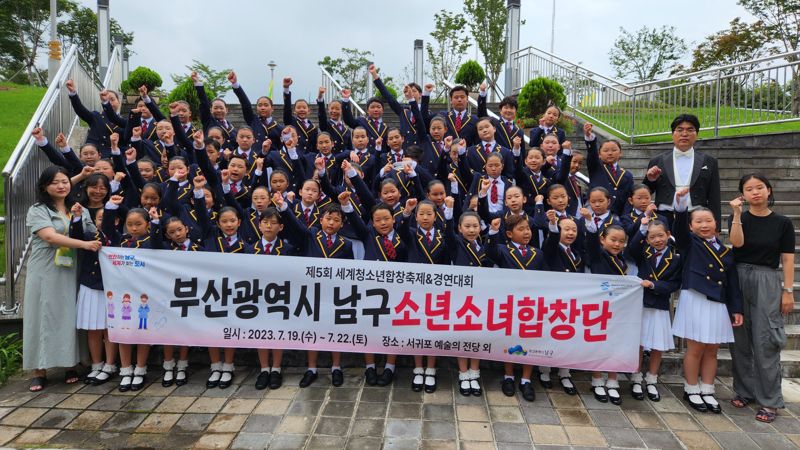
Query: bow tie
x: 680, y: 154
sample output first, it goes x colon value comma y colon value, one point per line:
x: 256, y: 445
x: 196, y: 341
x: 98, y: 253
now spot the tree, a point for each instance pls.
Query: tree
x: 350, y: 70
x: 451, y: 44
x: 81, y: 29
x: 25, y: 22
x: 739, y: 43
x: 488, y: 20
x: 646, y: 53
x: 470, y: 74
x: 214, y: 81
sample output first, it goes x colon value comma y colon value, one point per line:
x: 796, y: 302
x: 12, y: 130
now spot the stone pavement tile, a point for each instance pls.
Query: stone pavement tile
x: 194, y: 388
x: 643, y: 419
x: 304, y: 407
x: 509, y: 414
x: 158, y: 423
x: 680, y: 422
x: 47, y: 400
x: 147, y: 440
x: 610, y: 419
x: 90, y: 420
x: 368, y: 427
x: 786, y: 424
x: 477, y: 445
x: 56, y: 418
x: 749, y: 424
x: 440, y: 397
x: 8, y: 433
x: 290, y: 442
x: 794, y: 438
x: 250, y: 441
x: 295, y: 425
x: 406, y: 429
x: 672, y: 405
x: 173, y: 404
x: 363, y: 443
x: 4, y: 411
x: 110, y: 403
x: 474, y: 431
x: 697, y: 440
x: 471, y: 413
x: 18, y: 399
x: 248, y: 390
x: 220, y: 393
x: 23, y: 416
x: 32, y: 436
x: 156, y: 389
x: 540, y: 415
x: 511, y: 432
x: 405, y: 411
x: 585, y: 436
x: 63, y: 388
x: 181, y: 440
x: 660, y: 439
x: 339, y: 409
x: 272, y: 407
x: 312, y: 393
x: 103, y: 389
x: 378, y: 395
x: 124, y: 421
x: 622, y: 437
x: 112, y: 440
x: 438, y: 430
x: 227, y: 423
x: 215, y: 440
x: 440, y: 445
x: 261, y: 424
x: 772, y: 441
x: 70, y: 439
x: 716, y: 423
x: 373, y: 409
x: 592, y: 403
x: 193, y: 422
x: 405, y: 395
x: 497, y: 398
x: 333, y: 426
x: 438, y: 412
x: 343, y: 394
x: 143, y: 403
x: 79, y: 401
x: 564, y: 401
x: 400, y: 444
x: 634, y: 405
x: 240, y: 406
x: 471, y: 400
x: 325, y: 442
x: 548, y: 435
x: 206, y: 405
x: 285, y: 392
x: 734, y: 441
x: 574, y: 417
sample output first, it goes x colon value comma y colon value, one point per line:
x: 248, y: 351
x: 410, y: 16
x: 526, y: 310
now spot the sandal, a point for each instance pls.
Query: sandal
x: 766, y: 416
x: 71, y: 376
x: 739, y: 401
x: 37, y: 384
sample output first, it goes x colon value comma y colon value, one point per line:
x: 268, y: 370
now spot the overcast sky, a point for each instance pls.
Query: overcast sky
x: 246, y: 34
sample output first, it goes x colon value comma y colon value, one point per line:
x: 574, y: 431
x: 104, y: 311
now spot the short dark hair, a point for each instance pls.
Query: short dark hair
x: 602, y: 190
x: 414, y: 152
x: 266, y: 98
x: 457, y: 88
x: 613, y: 227
x: 333, y: 208
x: 515, y: 219
x: 415, y: 86
x: 381, y: 206
x: 690, y: 118
x: 372, y: 100
x: 508, y: 101
x: 271, y: 213
x: 466, y: 214
x: 761, y: 178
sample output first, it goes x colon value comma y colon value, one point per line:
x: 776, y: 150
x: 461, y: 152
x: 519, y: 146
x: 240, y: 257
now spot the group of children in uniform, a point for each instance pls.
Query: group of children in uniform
x: 444, y: 188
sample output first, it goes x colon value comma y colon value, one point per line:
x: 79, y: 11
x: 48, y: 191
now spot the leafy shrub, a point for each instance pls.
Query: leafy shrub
x: 141, y: 76
x: 185, y: 91
x: 538, y: 94
x: 470, y: 74
x: 10, y: 356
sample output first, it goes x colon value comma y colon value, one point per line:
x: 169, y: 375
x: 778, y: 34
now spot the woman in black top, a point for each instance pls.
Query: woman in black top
x: 762, y: 239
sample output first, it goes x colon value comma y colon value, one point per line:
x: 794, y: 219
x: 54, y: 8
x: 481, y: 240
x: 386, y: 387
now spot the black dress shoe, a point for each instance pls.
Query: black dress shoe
x: 547, y: 384
x: 138, y: 386
x: 430, y: 388
x: 210, y: 384
x: 226, y: 384
x: 308, y: 378
x: 653, y: 396
x: 275, y: 380
x: 600, y: 394
x: 371, y: 376
x: 263, y: 380
x: 475, y: 391
x: 417, y: 387
x: 637, y: 395
x: 465, y: 391
x: 613, y: 396
x: 527, y: 391
x: 508, y: 387
x: 386, y: 377
x: 181, y: 381
x: 570, y: 390
x: 698, y: 406
x: 337, y: 377
x: 714, y: 408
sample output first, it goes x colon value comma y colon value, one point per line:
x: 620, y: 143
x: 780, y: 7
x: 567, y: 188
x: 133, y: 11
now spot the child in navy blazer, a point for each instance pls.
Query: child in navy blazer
x: 372, y: 123
x: 639, y: 206
x: 572, y: 161
x: 605, y: 171
x: 547, y: 125
x: 605, y: 243
x: 533, y: 175
x: 557, y: 201
x: 213, y: 114
x: 407, y: 117
x: 710, y: 301
x: 323, y: 242
x: 515, y: 253
x: 660, y: 271
x: 506, y: 130
x: 460, y: 124
x: 330, y: 121
x: 297, y: 117
x: 477, y: 155
x: 261, y: 121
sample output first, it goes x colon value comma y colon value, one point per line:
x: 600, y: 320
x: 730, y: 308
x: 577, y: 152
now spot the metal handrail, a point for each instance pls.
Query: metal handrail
x: 333, y: 89
x: 494, y: 115
x: 54, y: 114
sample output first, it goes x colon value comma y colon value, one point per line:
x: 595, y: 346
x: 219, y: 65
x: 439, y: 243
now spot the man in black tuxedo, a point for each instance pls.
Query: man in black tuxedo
x: 685, y: 167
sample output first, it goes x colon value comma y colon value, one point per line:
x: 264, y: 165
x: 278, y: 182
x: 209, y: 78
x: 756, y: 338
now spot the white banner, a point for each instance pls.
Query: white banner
x: 578, y: 321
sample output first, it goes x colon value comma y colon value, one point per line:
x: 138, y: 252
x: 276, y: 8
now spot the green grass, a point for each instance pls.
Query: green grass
x: 10, y: 356
x: 655, y: 119
x: 18, y: 102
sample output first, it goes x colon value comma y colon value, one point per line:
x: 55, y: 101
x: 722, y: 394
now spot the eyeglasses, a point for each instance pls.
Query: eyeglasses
x: 689, y: 130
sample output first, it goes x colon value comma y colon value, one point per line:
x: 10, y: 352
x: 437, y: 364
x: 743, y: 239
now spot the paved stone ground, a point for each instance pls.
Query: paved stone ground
x: 358, y: 417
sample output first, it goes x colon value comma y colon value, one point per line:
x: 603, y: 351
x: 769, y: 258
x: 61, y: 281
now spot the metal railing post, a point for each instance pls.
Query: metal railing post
x: 633, y: 115
x: 716, y: 113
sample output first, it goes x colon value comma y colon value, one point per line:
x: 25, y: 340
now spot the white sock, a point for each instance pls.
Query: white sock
x: 335, y: 368
x: 266, y: 369
x: 463, y: 377
x: 650, y: 378
x: 691, y: 389
x: 215, y: 375
x: 126, y: 372
x: 545, y: 376
x: 509, y: 377
x: 276, y: 369
x: 474, y: 374
x: 430, y: 375
x: 524, y: 381
x: 182, y: 364
x: 140, y: 370
x: 169, y: 365
x: 388, y: 366
x: 312, y: 369
x: 636, y: 377
x: 598, y: 382
x: 612, y: 384
x: 227, y: 372
x: 564, y: 373
x: 370, y: 366
x: 419, y: 375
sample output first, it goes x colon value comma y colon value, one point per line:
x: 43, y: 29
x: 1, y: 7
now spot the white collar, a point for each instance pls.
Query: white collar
x: 678, y: 154
x: 271, y: 243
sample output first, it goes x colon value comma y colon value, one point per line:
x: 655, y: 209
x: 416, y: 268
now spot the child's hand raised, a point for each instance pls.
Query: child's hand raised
x: 154, y: 213
x: 645, y: 220
x: 373, y: 71
x: 266, y: 146
x: 287, y: 81
x: 277, y: 199
x: 516, y: 142
x: 451, y: 177
x: 227, y: 153
x: 260, y: 164
x: 539, y: 198
x: 319, y: 164
x: 429, y: 87
x: 116, y: 199
x: 567, y: 144
x: 379, y: 142
x: 388, y: 168
x: 449, y: 202
x: 346, y: 94
x: 225, y: 174
x: 587, y: 129
x: 198, y: 138
x: 448, y: 141
x: 86, y: 171
x: 70, y: 85
x: 551, y: 160
x: 137, y: 132
x: 290, y: 196
x: 76, y: 209
x: 199, y: 182
x: 495, y: 226
x: 585, y: 213
x: 346, y: 166
x: 407, y: 169
x: 119, y: 176
x: 114, y: 138
x: 143, y: 91
x: 130, y: 154
x: 321, y: 92
x: 551, y: 216
x: 344, y: 197
x: 173, y: 108
x: 485, y: 184
x: 104, y: 96
x: 61, y: 140
x: 354, y: 157
x: 37, y: 133
x: 195, y: 77
x: 411, y: 203
x: 482, y: 87
x: 232, y: 77
x: 650, y: 208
